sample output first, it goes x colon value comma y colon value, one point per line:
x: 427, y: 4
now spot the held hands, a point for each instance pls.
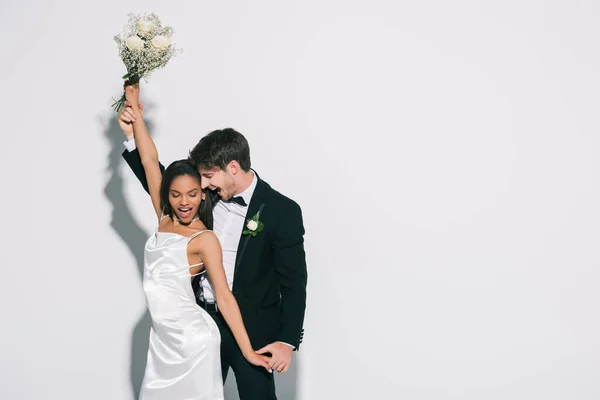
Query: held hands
x: 260, y: 361
x: 281, y: 356
x: 127, y: 117
x: 132, y: 111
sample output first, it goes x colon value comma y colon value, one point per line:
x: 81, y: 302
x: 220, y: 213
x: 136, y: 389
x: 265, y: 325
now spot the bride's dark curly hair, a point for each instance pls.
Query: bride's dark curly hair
x: 181, y: 168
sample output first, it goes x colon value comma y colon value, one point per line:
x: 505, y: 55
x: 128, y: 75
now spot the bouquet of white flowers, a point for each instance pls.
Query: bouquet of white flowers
x: 144, y: 46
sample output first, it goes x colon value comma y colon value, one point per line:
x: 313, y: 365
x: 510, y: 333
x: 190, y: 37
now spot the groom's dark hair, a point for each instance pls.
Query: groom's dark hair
x: 219, y: 148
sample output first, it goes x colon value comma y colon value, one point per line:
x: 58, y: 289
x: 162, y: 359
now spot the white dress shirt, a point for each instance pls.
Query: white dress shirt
x: 229, y: 220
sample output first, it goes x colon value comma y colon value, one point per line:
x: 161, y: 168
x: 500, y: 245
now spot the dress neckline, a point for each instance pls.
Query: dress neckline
x: 178, y: 234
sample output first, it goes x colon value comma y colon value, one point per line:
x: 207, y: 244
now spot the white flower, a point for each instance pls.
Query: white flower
x: 252, y: 225
x: 134, y: 43
x: 145, y: 28
x: 160, y: 42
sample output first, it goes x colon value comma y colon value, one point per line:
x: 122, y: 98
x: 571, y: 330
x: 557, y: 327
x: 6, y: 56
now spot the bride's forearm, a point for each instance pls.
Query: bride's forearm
x: 143, y: 141
x: 231, y: 312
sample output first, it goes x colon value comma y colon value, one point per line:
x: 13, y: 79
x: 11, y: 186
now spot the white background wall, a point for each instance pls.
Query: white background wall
x: 443, y: 154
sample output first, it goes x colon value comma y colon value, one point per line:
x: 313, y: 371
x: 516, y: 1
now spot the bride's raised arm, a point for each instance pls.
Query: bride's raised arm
x: 145, y: 146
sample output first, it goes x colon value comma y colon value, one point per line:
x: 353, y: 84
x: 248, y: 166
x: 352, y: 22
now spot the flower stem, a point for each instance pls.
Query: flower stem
x: 118, y: 104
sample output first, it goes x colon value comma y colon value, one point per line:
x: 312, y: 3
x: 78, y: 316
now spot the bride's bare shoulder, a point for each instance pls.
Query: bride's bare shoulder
x: 204, y: 240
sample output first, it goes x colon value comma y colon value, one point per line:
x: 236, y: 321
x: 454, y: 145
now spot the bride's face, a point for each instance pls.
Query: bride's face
x: 218, y: 180
x: 185, y: 196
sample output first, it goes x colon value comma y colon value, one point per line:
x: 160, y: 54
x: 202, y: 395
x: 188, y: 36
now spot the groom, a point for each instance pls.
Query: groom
x: 264, y: 261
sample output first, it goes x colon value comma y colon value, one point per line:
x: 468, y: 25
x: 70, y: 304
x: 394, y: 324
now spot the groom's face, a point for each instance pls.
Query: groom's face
x: 218, y: 180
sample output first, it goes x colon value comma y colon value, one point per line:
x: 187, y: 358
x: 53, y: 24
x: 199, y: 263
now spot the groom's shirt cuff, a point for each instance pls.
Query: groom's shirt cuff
x: 130, y: 145
x: 293, y: 347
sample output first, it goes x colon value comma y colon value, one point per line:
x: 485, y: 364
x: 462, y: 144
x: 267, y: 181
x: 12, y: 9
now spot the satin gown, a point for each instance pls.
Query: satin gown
x: 183, y: 356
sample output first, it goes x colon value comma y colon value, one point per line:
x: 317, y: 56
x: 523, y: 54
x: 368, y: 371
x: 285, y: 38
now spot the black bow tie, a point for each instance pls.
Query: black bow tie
x: 239, y: 200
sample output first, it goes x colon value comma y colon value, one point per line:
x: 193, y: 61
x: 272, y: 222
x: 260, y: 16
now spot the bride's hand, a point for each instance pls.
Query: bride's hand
x: 258, y: 360
x: 132, y: 93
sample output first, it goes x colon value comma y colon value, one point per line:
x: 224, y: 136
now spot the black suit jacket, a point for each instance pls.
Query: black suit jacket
x: 270, y: 271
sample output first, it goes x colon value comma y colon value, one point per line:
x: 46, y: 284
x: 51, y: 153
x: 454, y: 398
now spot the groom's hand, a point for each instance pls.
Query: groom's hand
x: 281, y: 356
x: 126, y: 117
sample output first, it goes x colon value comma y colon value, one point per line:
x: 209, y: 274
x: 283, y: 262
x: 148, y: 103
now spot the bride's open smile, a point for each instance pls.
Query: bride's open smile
x: 185, y: 196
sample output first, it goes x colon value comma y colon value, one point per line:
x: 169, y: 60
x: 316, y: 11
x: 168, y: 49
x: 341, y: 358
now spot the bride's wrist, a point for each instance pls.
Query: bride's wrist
x: 247, y: 353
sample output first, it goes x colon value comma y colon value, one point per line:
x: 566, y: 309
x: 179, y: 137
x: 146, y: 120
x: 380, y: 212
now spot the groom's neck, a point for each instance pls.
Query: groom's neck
x: 245, y: 180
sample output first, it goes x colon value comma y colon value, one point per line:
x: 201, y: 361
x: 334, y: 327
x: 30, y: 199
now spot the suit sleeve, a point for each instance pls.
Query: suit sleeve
x: 134, y: 161
x: 290, y: 265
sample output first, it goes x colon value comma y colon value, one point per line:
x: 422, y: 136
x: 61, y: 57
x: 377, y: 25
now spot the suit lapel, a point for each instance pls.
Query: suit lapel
x: 256, y: 206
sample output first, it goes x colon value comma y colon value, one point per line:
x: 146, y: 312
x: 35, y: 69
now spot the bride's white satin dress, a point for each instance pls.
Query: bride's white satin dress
x: 183, y: 356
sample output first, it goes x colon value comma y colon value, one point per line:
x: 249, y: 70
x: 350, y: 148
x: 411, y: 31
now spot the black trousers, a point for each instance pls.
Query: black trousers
x: 253, y: 383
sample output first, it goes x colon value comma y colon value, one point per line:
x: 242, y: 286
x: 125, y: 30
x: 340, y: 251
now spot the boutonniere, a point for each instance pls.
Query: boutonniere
x: 253, y: 226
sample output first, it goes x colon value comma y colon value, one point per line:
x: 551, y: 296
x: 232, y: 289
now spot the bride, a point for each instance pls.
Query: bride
x: 183, y: 356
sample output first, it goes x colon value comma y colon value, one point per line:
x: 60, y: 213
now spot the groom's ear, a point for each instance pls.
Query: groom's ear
x: 234, y: 167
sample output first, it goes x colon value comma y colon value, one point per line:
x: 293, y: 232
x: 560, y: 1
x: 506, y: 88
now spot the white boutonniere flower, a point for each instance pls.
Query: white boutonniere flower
x: 253, y: 226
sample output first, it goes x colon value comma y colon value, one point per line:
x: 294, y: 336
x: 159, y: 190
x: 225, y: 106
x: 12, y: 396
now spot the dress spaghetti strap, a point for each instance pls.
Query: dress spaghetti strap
x: 197, y: 233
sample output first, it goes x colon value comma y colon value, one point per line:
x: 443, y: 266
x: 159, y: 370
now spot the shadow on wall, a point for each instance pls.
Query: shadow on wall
x: 123, y: 223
